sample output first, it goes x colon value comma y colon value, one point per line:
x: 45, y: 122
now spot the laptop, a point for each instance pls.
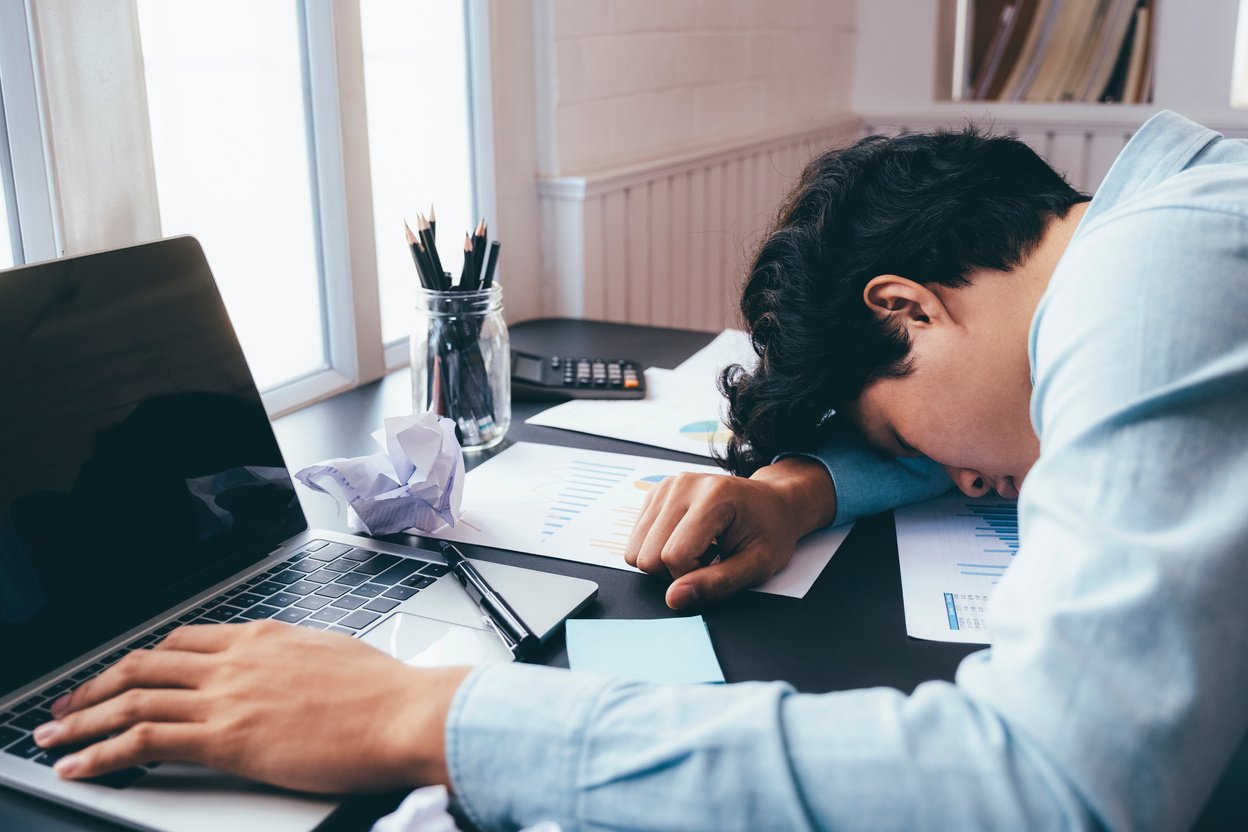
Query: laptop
x: 144, y: 489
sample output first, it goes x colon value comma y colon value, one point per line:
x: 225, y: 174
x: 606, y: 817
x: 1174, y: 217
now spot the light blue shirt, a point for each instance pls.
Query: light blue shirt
x: 1116, y: 687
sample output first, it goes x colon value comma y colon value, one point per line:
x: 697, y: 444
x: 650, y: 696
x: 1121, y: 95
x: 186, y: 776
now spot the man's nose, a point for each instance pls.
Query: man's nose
x: 969, y: 482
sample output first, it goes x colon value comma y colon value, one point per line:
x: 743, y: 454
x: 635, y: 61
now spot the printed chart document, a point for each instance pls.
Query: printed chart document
x: 683, y: 409
x: 582, y: 505
x: 953, y: 550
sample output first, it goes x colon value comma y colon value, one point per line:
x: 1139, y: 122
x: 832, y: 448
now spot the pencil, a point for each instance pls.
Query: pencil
x: 417, y: 255
x: 465, y: 279
x: 426, y: 237
x: 478, y: 253
x: 488, y: 280
x: 433, y: 223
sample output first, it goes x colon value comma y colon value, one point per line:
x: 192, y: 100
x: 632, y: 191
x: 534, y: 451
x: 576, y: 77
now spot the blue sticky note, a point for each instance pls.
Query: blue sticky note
x: 658, y: 650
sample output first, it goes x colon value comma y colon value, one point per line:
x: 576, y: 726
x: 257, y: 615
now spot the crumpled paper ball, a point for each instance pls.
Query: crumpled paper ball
x: 417, y: 482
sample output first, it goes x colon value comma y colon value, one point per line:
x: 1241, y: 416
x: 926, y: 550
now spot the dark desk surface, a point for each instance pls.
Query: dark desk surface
x: 848, y: 632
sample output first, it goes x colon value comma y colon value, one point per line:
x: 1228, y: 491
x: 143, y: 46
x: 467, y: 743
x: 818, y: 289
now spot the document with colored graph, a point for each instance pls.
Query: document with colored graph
x: 582, y: 505
x: 953, y: 551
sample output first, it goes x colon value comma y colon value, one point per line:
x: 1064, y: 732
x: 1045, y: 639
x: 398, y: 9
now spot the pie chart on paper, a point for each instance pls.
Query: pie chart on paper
x: 707, y: 431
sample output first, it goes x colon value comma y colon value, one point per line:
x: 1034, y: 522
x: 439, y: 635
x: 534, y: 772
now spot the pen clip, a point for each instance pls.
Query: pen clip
x: 503, y: 637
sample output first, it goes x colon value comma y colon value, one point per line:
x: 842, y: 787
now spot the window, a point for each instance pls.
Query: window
x: 229, y: 112
x: 7, y: 255
x: 416, y: 75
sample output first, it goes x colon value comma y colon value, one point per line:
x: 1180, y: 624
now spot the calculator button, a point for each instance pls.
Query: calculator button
x: 554, y: 363
x: 631, y: 383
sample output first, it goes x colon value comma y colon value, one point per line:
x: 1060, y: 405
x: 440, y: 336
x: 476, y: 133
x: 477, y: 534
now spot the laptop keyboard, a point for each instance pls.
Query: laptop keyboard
x: 328, y: 586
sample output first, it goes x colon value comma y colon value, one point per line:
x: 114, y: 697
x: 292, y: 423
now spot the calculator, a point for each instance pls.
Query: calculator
x: 575, y: 377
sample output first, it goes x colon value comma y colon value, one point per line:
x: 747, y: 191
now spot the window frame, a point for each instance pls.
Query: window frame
x: 339, y: 148
x: 25, y: 175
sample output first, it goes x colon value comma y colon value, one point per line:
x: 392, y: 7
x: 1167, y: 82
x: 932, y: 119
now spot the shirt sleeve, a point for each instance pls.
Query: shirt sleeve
x: 867, y: 482
x: 1113, y: 693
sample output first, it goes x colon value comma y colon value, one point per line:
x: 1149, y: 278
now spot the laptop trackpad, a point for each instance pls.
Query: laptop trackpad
x: 427, y: 642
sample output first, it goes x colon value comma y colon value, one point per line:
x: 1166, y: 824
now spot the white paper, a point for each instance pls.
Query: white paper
x: 424, y: 810
x: 582, y: 505
x: 683, y: 410
x: 681, y: 413
x: 732, y: 346
x: 953, y: 550
x: 417, y: 482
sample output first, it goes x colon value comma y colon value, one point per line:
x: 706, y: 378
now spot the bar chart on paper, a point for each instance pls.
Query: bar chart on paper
x: 953, y: 551
x: 582, y: 505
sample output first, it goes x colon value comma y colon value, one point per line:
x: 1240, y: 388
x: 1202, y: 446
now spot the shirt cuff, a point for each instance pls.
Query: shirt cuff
x: 867, y: 482
x: 512, y: 731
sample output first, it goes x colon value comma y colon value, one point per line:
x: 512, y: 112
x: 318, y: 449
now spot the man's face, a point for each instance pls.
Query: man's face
x: 966, y: 403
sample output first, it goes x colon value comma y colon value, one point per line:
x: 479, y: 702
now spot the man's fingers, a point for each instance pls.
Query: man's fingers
x: 140, y: 744
x: 742, y: 569
x: 115, y: 715
x: 655, y: 498
x: 201, y: 638
x: 650, y: 555
x: 140, y: 669
x: 695, y: 532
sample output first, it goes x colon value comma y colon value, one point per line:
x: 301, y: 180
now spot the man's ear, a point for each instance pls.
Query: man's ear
x: 904, y: 302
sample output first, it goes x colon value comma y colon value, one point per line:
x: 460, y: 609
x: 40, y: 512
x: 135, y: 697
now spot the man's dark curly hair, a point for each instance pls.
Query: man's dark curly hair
x: 930, y: 207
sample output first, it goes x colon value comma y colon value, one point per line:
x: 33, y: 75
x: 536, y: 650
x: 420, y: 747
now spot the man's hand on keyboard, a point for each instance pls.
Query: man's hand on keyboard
x: 286, y: 705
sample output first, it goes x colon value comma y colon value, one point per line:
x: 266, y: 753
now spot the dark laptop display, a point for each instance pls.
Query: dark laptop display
x: 139, y: 466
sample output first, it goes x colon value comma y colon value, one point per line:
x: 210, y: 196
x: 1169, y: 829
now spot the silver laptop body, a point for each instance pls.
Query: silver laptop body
x: 144, y: 489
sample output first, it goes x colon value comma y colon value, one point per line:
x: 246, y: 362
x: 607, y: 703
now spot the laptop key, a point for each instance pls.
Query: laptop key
x: 26, y: 705
x: 340, y: 566
x: 87, y: 672
x: 360, y: 555
x: 303, y: 587
x: 401, y: 593
x: 114, y: 656
x: 359, y: 619
x: 437, y: 570
x: 316, y: 625
x: 331, y: 552
x: 397, y: 572
x: 377, y: 565
x: 381, y: 605
x: 343, y: 630
x: 268, y: 588
x: 283, y: 599
x: 9, y: 735
x: 316, y: 545
x: 312, y: 602
x: 260, y: 611
x: 25, y: 748
x: 119, y: 779
x: 349, y: 602
x: 248, y: 599
x: 164, y: 630
x: 306, y: 566
x: 323, y: 576
x: 418, y: 581
x: 333, y: 590
x: 223, y: 613
x: 351, y: 579
x: 31, y: 720
x: 329, y: 614
x: 369, y: 590
x: 232, y: 591
x: 288, y: 576
x: 292, y: 615
x: 59, y: 688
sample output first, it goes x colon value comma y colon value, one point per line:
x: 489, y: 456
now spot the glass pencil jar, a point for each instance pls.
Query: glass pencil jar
x: 461, y: 362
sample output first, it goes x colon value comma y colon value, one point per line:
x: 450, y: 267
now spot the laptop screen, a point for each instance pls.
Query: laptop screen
x: 139, y: 466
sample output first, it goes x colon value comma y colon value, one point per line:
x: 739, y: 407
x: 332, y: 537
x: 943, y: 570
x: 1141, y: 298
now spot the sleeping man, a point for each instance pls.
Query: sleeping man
x: 927, y: 308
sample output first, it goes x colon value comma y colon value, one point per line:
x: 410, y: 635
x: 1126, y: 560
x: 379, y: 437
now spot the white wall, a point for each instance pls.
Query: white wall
x: 623, y: 81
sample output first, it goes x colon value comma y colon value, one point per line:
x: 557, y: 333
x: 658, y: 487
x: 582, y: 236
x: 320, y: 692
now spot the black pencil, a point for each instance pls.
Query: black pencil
x: 488, y: 280
x: 422, y: 228
x: 478, y: 253
x: 422, y: 270
x: 465, y: 278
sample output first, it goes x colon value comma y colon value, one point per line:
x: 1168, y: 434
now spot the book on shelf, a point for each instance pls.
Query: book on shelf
x: 1060, y: 50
